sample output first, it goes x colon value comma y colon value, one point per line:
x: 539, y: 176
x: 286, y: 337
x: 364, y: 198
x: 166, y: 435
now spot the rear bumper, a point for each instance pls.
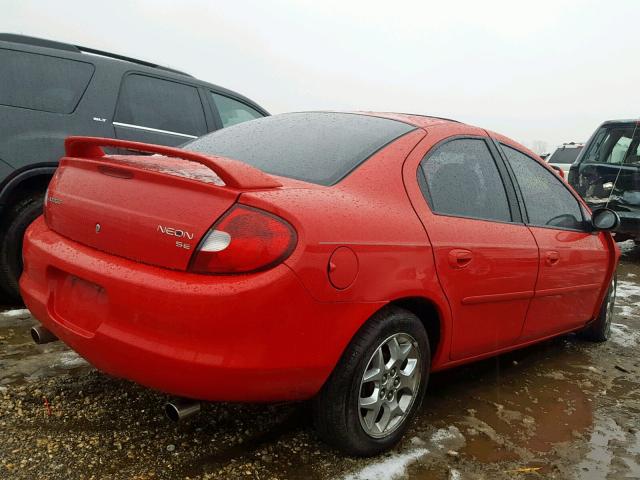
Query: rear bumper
x: 251, y: 338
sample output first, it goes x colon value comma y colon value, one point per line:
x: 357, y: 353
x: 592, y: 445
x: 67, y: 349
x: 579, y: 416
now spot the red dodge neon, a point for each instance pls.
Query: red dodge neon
x: 335, y: 256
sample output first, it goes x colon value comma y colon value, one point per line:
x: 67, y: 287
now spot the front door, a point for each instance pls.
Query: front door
x: 486, y: 259
x: 573, y: 260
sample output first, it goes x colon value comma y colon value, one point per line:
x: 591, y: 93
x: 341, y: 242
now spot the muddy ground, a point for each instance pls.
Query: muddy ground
x: 564, y: 409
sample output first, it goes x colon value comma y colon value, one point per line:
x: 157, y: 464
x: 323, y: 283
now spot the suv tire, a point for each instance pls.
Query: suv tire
x: 339, y: 417
x: 19, y: 217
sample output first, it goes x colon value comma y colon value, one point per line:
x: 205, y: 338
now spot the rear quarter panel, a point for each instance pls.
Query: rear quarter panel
x: 369, y: 213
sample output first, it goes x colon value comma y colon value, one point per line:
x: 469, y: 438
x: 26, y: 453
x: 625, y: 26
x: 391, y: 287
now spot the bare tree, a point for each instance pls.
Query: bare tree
x: 540, y: 147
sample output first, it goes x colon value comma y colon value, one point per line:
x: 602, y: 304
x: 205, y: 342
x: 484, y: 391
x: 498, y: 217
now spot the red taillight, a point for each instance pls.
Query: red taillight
x: 244, y: 240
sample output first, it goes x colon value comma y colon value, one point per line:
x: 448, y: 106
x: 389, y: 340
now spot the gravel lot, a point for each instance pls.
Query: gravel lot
x: 562, y: 409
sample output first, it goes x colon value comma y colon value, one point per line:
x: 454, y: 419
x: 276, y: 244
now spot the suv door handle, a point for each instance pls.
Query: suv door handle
x: 460, y: 258
x: 552, y: 257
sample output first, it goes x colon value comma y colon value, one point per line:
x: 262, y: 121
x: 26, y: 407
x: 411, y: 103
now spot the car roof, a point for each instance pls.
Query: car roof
x: 417, y: 120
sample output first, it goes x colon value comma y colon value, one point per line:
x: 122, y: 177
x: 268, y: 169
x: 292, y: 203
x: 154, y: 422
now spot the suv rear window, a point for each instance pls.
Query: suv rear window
x: 317, y: 147
x: 232, y: 111
x: 565, y: 155
x: 42, y: 82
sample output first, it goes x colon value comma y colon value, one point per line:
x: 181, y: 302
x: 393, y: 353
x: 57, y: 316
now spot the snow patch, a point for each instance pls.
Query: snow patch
x: 392, y: 467
x: 70, y: 360
x: 445, y: 438
x: 454, y: 475
x: 444, y: 434
x: 627, y: 289
x: 626, y: 310
x: 627, y: 246
x: 22, y: 312
x: 624, y: 336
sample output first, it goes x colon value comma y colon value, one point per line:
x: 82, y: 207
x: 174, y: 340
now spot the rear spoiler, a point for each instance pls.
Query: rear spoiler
x: 233, y: 173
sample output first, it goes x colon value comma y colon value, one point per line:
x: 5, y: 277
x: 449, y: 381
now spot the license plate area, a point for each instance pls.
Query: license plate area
x: 78, y: 304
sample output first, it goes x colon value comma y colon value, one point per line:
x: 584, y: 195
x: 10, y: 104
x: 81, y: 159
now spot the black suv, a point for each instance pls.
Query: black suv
x: 607, y: 171
x: 50, y: 90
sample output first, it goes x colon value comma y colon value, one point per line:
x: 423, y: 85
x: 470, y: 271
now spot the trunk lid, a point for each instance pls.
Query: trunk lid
x: 150, y: 209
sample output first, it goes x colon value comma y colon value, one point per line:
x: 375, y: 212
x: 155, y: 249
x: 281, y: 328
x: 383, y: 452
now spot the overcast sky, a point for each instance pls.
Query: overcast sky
x: 541, y: 70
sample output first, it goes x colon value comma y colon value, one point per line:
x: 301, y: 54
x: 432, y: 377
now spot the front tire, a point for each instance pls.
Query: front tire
x: 600, y: 330
x: 368, y: 402
x: 19, y: 217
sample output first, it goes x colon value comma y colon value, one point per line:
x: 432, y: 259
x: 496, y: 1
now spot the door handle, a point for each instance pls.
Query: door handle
x: 460, y: 258
x: 552, y: 257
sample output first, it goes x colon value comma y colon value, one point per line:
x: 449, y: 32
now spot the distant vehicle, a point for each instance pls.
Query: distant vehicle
x: 339, y: 257
x: 50, y: 90
x: 563, y: 156
x: 607, y: 172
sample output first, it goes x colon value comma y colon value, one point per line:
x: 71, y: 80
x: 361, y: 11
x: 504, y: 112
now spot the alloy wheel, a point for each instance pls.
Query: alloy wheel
x: 389, y: 385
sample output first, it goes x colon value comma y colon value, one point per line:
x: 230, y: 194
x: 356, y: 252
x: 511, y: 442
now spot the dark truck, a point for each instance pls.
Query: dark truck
x: 607, y: 172
x: 51, y: 90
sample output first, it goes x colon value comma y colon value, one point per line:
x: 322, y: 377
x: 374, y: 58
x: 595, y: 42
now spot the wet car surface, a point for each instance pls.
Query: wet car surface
x: 561, y: 409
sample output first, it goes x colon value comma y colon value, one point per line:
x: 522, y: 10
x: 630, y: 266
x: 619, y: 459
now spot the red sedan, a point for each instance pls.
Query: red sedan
x: 335, y: 256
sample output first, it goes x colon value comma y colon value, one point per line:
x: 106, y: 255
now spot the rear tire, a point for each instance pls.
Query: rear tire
x: 19, y: 217
x: 392, y: 348
x: 600, y: 330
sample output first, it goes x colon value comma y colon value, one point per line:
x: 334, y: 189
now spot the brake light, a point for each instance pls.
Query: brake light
x: 245, y: 239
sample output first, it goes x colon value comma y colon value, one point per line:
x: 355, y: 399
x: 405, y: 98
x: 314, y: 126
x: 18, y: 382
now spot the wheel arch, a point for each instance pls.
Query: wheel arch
x: 429, y: 315
x: 25, y: 182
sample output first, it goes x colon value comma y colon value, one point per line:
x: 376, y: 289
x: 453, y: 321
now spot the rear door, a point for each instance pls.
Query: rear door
x: 573, y: 261
x: 157, y: 110
x: 486, y: 259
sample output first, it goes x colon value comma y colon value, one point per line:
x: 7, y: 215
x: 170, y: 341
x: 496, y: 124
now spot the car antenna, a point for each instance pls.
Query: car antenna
x: 613, y: 187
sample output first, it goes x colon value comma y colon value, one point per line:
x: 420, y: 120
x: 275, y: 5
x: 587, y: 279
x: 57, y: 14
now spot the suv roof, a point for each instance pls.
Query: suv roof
x: 68, y: 47
x: 108, y: 60
x: 629, y: 120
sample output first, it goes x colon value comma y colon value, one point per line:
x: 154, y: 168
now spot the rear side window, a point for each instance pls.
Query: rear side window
x: 317, y: 147
x: 161, y: 104
x: 41, y: 82
x: 548, y: 202
x: 461, y: 179
x: 232, y: 111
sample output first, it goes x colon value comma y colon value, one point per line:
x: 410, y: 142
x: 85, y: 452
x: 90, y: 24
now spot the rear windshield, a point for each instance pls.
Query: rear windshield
x: 317, y: 147
x: 565, y: 155
x: 41, y: 82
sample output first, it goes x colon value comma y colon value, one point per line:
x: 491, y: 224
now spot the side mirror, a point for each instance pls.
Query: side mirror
x: 558, y: 170
x: 605, y: 219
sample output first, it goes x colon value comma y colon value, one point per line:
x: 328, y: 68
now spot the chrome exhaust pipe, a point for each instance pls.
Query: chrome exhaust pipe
x: 181, y: 408
x: 41, y: 335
